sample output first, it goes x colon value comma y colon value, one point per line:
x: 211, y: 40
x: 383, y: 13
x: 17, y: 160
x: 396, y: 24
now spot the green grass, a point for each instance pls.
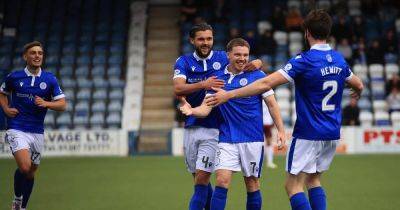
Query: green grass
x: 367, y: 182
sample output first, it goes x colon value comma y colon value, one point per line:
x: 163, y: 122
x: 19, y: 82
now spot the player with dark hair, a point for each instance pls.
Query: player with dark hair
x: 319, y: 75
x: 25, y: 96
x: 194, y: 74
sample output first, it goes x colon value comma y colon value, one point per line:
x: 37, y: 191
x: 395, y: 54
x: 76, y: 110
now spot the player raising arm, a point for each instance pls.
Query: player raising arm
x: 195, y: 73
x: 319, y: 76
x: 32, y: 91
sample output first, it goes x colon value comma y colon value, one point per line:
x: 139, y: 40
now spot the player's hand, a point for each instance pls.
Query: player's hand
x: 40, y: 102
x: 253, y: 65
x: 11, y: 112
x: 213, y: 82
x: 218, y: 98
x: 185, y: 107
x: 281, y: 139
x: 355, y: 94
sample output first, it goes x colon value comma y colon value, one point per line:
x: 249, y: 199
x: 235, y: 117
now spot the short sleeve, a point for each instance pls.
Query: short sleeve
x: 293, y: 68
x: 348, y: 73
x: 56, y: 93
x: 179, y: 68
x: 6, y: 85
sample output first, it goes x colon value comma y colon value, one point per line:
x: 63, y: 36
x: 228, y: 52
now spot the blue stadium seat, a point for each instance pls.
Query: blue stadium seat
x: 83, y: 59
x: 66, y: 71
x: 116, y: 83
x: 99, y: 106
x: 68, y: 83
x: 64, y: 120
x: 100, y: 94
x: 114, y: 106
x: 100, y: 83
x: 82, y: 106
x: 98, y: 71
x: 83, y: 94
x: 82, y: 71
x: 99, y: 59
x: 85, y: 83
x: 116, y: 94
x: 97, y: 120
x: 113, y: 120
x: 114, y: 71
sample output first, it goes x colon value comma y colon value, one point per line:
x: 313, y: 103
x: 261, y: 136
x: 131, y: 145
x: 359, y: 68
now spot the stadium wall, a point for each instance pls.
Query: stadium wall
x: 79, y: 143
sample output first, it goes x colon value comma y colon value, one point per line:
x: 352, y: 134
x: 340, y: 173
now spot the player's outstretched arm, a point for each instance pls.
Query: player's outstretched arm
x: 356, y: 85
x: 201, y: 111
x: 10, y: 112
x: 181, y: 88
x: 274, y: 110
x: 57, y: 105
x: 258, y: 87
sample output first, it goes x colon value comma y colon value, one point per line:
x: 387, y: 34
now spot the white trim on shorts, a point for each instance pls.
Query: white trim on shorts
x: 310, y: 156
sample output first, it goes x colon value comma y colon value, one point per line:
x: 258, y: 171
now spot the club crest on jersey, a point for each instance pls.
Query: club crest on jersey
x: 21, y: 83
x: 329, y: 58
x: 43, y: 85
x: 177, y: 71
x: 216, y: 65
x: 287, y: 67
x: 193, y: 68
x: 243, y: 81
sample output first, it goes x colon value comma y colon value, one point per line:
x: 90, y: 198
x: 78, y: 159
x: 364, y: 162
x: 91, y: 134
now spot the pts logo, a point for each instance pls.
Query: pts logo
x: 388, y: 136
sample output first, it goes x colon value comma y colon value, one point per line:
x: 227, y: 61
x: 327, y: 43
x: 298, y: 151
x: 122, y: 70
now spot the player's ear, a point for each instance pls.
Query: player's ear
x: 191, y: 41
x: 24, y: 57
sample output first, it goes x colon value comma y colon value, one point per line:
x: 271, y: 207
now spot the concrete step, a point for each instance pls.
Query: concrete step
x: 158, y: 91
x: 156, y: 142
x: 158, y: 44
x: 163, y: 34
x: 156, y: 103
x: 156, y: 125
x: 158, y: 114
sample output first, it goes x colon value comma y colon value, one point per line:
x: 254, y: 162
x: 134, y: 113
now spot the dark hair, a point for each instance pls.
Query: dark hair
x: 199, y: 27
x: 32, y: 44
x: 318, y: 23
x: 237, y: 42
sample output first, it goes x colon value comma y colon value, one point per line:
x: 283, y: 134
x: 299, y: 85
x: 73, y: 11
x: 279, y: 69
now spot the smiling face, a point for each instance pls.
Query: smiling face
x: 203, y: 42
x: 239, y: 57
x: 34, y: 57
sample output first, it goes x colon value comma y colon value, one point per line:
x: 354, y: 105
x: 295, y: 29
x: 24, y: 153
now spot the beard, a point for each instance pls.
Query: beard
x: 200, y: 53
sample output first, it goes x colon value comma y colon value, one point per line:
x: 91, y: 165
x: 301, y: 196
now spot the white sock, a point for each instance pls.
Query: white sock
x: 270, y: 154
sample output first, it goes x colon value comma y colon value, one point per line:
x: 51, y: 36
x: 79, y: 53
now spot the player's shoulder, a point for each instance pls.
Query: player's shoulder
x: 258, y: 73
x: 18, y: 73
x: 48, y: 75
x: 220, y: 53
x: 183, y: 58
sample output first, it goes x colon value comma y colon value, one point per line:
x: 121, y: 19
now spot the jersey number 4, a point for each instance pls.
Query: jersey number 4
x: 329, y: 84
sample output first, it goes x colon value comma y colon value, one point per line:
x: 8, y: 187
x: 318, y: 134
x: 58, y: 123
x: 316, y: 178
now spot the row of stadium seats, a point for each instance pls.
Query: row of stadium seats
x: 84, y: 45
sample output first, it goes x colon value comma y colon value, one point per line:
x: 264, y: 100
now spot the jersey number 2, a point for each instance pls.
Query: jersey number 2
x: 326, y: 85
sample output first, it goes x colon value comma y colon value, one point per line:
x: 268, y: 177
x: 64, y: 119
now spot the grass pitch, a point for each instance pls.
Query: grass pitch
x: 367, y: 182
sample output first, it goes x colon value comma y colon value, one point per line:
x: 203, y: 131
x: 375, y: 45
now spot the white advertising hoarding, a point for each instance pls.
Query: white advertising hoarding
x: 79, y: 143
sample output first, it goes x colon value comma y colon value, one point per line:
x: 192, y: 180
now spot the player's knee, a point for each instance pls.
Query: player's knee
x: 311, y: 183
x: 202, y: 178
x: 252, y: 184
x: 25, y: 168
x: 223, y: 181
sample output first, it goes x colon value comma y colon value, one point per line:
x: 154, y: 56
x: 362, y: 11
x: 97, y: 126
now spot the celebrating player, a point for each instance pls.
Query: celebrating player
x: 32, y: 91
x: 241, y: 139
x: 195, y: 73
x: 320, y: 76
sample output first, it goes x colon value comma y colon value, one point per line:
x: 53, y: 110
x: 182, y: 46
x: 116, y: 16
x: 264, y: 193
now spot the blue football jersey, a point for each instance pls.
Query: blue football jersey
x: 195, y: 69
x: 22, y: 87
x: 241, y: 119
x: 319, y: 76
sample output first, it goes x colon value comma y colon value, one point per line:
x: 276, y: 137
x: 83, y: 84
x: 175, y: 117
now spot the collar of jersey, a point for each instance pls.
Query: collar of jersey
x: 321, y: 47
x: 226, y: 71
x: 200, y: 59
x: 27, y: 72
